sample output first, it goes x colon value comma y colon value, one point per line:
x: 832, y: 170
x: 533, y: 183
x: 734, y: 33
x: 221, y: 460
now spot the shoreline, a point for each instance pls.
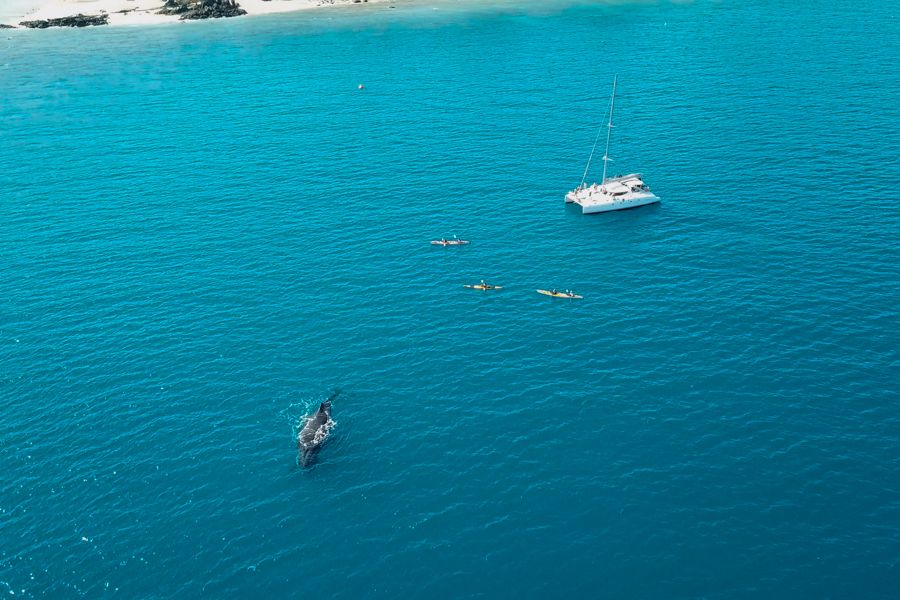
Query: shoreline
x: 144, y: 12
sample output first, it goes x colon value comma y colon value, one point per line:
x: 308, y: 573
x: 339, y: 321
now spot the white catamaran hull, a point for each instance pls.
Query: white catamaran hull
x: 588, y: 208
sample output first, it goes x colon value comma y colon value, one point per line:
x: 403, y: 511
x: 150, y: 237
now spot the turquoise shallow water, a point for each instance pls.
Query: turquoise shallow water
x: 206, y: 228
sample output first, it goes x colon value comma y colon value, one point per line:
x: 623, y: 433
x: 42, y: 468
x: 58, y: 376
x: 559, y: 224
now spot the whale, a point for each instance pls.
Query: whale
x: 315, y: 430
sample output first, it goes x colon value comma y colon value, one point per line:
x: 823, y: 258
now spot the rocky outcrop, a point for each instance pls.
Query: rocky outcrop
x: 5, y: 26
x: 202, y: 9
x: 78, y: 20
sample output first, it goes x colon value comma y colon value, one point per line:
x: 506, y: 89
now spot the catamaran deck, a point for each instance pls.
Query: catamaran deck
x: 616, y: 193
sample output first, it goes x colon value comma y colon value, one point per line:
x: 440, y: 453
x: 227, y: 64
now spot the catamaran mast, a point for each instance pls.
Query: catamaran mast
x: 609, y: 126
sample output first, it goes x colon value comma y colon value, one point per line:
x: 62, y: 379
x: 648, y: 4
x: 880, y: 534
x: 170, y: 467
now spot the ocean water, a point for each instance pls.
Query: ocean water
x: 207, y: 228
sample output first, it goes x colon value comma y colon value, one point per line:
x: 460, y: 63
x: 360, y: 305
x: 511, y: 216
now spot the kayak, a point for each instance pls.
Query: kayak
x: 478, y: 286
x: 449, y: 242
x: 553, y: 294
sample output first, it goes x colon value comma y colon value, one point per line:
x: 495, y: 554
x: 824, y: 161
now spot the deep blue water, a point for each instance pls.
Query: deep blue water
x: 206, y: 228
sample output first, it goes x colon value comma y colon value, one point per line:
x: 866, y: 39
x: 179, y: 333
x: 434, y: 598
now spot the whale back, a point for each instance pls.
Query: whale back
x: 314, y: 432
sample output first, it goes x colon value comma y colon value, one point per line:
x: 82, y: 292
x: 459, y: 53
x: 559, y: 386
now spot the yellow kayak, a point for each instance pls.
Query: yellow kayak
x: 478, y: 286
x: 555, y: 294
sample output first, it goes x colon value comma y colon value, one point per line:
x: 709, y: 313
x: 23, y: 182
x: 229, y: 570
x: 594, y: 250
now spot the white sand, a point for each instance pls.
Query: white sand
x: 143, y: 12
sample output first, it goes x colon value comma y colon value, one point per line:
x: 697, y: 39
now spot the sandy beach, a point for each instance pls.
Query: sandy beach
x: 144, y: 12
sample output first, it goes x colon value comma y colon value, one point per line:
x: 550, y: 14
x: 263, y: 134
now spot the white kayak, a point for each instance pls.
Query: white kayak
x: 453, y: 242
x: 556, y: 294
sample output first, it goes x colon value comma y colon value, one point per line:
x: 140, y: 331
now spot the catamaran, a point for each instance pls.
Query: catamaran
x: 615, y: 193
